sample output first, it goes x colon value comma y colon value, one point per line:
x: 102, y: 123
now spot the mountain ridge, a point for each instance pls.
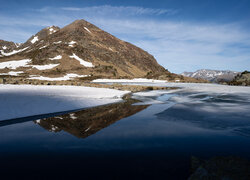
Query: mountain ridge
x: 217, y: 76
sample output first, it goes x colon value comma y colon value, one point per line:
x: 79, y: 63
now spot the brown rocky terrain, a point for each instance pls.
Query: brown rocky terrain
x: 8, y: 46
x: 242, y: 79
x: 81, y: 50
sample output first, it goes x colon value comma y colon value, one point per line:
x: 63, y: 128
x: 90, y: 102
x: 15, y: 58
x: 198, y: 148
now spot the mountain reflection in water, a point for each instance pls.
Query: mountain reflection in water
x: 86, y: 122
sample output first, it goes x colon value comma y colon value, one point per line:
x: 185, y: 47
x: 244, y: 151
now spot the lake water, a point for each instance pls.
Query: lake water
x: 152, y: 139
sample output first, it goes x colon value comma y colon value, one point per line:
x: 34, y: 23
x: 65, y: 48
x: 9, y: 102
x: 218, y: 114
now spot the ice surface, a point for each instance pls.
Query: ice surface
x: 27, y: 100
x: 128, y: 80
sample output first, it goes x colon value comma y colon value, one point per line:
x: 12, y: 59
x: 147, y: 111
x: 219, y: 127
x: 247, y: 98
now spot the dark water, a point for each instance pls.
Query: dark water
x: 126, y: 141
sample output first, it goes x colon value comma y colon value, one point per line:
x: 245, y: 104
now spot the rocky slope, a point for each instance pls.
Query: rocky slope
x: 242, y: 79
x: 6, y: 46
x: 212, y: 75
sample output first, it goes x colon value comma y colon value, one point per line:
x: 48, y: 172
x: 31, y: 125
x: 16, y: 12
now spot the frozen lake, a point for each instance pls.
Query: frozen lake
x: 151, y: 139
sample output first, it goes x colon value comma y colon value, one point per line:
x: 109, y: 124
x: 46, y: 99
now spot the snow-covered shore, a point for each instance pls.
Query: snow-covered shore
x: 27, y: 100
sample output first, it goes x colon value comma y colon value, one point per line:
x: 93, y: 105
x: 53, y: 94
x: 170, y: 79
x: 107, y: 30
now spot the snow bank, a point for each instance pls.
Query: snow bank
x: 82, y: 62
x: 27, y: 100
x: 87, y: 29
x: 43, y: 47
x: 12, y: 73
x: 58, y: 42
x: 15, y: 64
x: 51, y: 30
x: 44, y: 67
x: 64, y: 78
x: 127, y: 80
x: 71, y: 44
x: 35, y: 39
x: 56, y: 58
x: 13, y: 52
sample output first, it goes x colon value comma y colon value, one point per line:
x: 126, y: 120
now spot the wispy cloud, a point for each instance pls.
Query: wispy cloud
x: 179, y: 46
x: 127, y: 10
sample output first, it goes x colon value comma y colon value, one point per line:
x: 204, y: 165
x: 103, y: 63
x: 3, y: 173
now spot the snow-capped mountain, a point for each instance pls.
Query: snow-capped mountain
x: 77, y: 52
x: 212, y: 75
x: 81, y: 49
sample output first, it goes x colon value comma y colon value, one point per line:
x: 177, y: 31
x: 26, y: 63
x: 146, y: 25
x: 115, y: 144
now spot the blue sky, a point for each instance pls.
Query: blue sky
x: 183, y: 35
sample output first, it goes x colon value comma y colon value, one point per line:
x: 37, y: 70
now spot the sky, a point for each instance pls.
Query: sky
x: 183, y: 35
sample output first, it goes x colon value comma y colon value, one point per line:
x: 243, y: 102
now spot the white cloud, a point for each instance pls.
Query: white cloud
x: 119, y: 10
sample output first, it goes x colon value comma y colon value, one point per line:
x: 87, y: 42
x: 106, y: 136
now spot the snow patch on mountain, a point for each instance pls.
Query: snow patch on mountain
x: 52, y: 30
x: 58, y: 42
x: 87, y: 29
x: 13, y: 52
x: 35, y: 39
x: 45, y: 67
x: 56, y: 58
x: 12, y: 73
x: 82, y: 62
x: 15, y: 64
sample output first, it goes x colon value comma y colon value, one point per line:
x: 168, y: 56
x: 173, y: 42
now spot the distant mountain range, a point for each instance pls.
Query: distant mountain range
x: 78, y: 51
x: 216, y: 76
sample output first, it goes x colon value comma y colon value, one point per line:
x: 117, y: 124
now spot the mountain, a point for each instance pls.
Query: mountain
x: 78, y: 51
x: 242, y: 79
x: 8, y: 46
x: 212, y: 75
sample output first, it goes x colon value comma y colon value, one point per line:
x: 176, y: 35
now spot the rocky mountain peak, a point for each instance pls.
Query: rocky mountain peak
x: 79, y: 51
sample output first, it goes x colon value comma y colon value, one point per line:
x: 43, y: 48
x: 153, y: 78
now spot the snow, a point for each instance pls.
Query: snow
x: 56, y: 58
x: 64, y: 78
x: 72, y: 116
x: 4, y: 47
x: 72, y: 42
x: 128, y: 80
x: 58, y: 42
x: 43, y: 47
x: 27, y: 100
x: 44, y: 67
x: 18, y: 44
x: 82, y: 62
x: 15, y: 64
x: 12, y: 73
x: 13, y: 52
x: 87, y: 129
x: 35, y: 39
x: 51, y: 30
x: 87, y: 29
